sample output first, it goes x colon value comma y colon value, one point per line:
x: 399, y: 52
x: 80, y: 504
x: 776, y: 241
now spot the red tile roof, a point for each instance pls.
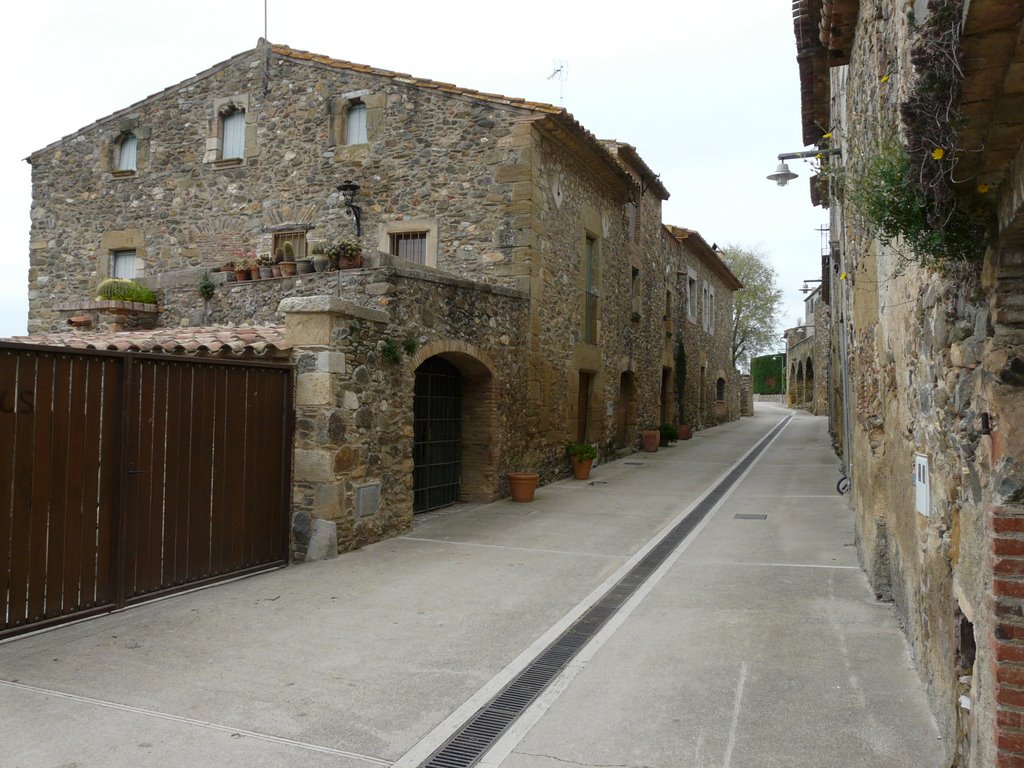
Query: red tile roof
x: 254, y: 341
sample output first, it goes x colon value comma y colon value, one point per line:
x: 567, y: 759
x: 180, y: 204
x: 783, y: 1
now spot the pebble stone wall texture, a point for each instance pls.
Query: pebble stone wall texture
x: 929, y: 360
x: 508, y: 194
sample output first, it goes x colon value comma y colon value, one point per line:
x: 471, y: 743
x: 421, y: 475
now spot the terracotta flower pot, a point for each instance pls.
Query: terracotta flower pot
x: 255, y: 272
x: 242, y: 274
x: 581, y: 468
x: 685, y: 431
x: 650, y: 438
x: 276, y: 270
x: 287, y: 269
x: 522, y: 485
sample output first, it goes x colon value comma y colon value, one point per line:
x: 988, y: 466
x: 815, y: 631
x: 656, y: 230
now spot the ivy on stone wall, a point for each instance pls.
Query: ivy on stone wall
x: 768, y: 373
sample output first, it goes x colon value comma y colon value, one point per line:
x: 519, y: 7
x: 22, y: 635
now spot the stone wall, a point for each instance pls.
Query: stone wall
x: 926, y: 359
x: 354, y: 404
x: 431, y: 157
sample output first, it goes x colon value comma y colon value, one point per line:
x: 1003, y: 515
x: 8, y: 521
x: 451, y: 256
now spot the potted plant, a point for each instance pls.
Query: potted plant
x: 321, y: 257
x: 522, y: 478
x: 266, y: 264
x: 242, y: 271
x: 650, y: 436
x: 349, y: 254
x: 582, y: 456
x: 667, y: 433
x: 281, y: 255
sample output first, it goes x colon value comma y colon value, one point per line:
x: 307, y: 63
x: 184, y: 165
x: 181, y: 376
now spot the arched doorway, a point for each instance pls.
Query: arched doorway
x: 437, y: 435
x: 453, y: 427
x: 809, y: 381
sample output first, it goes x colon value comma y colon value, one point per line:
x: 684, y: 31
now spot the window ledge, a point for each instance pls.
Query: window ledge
x: 231, y: 162
x: 123, y: 174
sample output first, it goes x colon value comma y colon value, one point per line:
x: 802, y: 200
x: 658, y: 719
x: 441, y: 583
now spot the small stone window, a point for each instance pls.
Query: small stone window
x: 126, y: 153
x: 413, y: 240
x: 411, y: 246
x: 691, y: 297
x: 232, y: 135
x: 720, y: 390
x: 355, y: 123
x: 122, y: 264
x: 229, y: 136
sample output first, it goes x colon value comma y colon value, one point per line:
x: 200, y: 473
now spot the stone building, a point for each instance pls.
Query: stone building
x: 512, y: 263
x: 808, y: 371
x: 929, y: 354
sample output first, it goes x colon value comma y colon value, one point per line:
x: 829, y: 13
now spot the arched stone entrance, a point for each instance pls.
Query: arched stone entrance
x: 453, y: 431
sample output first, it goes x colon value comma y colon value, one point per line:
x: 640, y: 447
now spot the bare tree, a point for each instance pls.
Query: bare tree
x: 756, y: 305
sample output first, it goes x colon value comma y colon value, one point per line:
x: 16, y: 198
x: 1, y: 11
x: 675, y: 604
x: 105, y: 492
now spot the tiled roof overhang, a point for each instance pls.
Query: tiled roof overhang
x: 992, y: 142
x: 242, y: 342
x: 706, y: 254
x: 627, y: 154
x: 812, y: 60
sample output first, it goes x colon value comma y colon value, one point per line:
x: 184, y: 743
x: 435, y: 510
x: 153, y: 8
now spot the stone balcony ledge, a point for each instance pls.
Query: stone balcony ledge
x: 105, y: 305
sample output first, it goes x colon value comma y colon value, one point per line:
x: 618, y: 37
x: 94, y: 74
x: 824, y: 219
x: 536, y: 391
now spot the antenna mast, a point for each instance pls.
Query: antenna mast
x: 561, y: 72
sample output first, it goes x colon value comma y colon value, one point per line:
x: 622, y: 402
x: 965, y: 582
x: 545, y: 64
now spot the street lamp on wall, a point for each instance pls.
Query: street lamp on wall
x: 349, y: 190
x: 783, y: 175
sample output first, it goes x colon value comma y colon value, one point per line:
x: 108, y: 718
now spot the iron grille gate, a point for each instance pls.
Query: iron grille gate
x: 437, y: 435
x: 130, y: 476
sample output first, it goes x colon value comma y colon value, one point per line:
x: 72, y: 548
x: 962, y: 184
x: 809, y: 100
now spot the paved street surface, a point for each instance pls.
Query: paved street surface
x: 758, y: 643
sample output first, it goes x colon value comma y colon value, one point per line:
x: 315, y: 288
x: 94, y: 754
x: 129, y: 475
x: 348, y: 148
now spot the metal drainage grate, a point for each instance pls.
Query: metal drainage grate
x: 750, y: 517
x: 483, y: 729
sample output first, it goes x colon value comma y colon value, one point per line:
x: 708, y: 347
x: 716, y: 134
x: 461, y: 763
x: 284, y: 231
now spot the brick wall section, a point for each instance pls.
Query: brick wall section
x: 1006, y: 634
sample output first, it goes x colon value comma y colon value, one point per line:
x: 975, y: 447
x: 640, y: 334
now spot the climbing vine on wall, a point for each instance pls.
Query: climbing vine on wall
x: 904, y: 188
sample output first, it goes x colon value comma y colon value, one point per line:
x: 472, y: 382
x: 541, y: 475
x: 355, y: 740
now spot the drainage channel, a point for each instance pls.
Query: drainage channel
x: 478, y: 734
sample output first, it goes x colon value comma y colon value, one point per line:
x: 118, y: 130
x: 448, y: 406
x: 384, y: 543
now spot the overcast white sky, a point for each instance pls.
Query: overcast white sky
x: 708, y: 92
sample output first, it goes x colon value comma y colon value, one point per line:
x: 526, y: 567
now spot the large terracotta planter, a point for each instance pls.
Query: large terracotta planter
x: 522, y: 485
x: 581, y: 468
x: 242, y: 274
x: 685, y: 431
x: 650, y: 439
x: 287, y: 268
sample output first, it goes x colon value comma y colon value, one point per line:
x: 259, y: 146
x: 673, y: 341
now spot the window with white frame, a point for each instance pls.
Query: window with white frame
x: 126, y: 153
x: 355, y: 123
x: 122, y: 264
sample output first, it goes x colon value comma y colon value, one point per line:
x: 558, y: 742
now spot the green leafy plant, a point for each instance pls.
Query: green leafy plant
x: 206, y: 287
x: 902, y: 213
x: 410, y: 345
x: 389, y: 351
x: 669, y: 433
x: 580, y: 451
x: 119, y: 289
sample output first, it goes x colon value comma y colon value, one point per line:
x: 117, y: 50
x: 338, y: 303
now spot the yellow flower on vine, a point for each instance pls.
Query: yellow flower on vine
x: 827, y: 135
x: 885, y: 78
x: 938, y: 153
x: 983, y: 188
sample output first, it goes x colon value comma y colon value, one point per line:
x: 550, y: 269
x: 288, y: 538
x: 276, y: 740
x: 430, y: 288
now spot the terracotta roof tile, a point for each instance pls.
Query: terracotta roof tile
x: 254, y: 341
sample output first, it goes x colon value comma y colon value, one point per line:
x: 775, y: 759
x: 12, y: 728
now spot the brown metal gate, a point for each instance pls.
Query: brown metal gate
x: 126, y: 476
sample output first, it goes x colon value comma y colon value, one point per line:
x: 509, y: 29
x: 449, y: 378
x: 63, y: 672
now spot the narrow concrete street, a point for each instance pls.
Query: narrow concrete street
x: 757, y: 643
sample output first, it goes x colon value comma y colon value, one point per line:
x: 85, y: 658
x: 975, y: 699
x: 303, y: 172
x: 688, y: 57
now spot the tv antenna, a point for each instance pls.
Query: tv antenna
x: 561, y: 71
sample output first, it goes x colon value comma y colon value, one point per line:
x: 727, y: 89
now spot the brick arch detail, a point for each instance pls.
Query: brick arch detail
x: 479, y: 482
